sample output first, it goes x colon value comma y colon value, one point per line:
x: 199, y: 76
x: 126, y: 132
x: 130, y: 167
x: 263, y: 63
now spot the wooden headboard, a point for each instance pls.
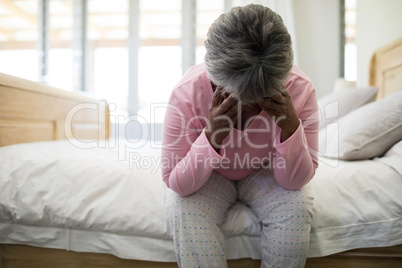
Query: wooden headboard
x: 386, y: 69
x: 31, y: 111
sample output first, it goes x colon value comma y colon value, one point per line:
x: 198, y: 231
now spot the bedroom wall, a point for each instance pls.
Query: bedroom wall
x: 317, y: 26
x: 377, y: 24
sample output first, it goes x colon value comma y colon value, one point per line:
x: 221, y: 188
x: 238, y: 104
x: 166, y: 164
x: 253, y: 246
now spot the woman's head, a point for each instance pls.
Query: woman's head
x: 249, y: 52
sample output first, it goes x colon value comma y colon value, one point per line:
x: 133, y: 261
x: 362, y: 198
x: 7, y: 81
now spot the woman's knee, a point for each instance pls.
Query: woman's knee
x: 301, y: 202
x: 193, y: 208
x: 288, y: 205
x: 211, y: 201
x: 178, y: 205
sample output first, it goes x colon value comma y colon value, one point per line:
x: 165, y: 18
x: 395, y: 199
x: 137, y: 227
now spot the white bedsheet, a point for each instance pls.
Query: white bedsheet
x: 357, y: 204
x: 53, y: 194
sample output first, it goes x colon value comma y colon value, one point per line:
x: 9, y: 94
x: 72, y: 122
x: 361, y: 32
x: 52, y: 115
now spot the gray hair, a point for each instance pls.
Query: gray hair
x: 249, y: 52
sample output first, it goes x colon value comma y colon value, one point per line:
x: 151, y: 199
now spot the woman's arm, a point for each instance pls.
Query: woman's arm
x: 299, y: 151
x: 297, y: 142
x: 188, y: 156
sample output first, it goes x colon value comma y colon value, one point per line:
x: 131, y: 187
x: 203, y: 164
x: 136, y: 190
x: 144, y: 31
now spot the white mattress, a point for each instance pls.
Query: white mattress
x: 53, y: 194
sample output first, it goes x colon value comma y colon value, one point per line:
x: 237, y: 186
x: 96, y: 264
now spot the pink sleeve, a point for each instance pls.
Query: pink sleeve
x: 187, y: 156
x: 297, y: 156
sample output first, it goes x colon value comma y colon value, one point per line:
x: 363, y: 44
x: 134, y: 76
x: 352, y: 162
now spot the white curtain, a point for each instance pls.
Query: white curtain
x: 284, y: 8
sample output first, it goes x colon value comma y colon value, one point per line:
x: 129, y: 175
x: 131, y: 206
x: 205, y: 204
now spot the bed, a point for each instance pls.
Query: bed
x: 72, y: 195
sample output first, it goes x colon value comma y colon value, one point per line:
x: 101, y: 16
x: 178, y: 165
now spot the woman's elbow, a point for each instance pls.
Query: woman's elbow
x: 296, y: 183
x: 171, y: 184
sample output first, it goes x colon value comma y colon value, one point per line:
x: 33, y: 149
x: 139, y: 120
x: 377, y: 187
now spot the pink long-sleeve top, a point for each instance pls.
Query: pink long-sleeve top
x: 188, y: 158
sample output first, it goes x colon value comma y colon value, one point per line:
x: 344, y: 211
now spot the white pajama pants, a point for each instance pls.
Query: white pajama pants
x: 285, y: 216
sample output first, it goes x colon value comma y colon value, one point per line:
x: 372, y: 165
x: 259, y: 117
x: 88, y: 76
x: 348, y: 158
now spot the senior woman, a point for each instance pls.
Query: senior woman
x: 241, y: 126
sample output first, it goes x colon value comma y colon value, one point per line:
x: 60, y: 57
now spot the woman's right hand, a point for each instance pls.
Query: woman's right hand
x: 223, y: 115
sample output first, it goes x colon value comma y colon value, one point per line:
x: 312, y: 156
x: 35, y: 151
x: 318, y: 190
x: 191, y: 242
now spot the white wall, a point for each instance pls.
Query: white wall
x: 377, y: 24
x: 317, y: 25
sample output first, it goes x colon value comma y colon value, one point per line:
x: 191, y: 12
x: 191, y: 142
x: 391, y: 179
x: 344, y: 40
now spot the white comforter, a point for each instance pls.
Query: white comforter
x: 53, y: 194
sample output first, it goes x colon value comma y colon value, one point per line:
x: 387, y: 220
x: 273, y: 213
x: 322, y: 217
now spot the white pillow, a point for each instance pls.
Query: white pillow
x: 338, y: 103
x: 366, y: 132
x: 393, y: 157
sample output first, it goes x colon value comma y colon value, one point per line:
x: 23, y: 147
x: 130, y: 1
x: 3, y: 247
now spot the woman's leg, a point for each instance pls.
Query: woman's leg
x: 285, y: 216
x: 195, y: 222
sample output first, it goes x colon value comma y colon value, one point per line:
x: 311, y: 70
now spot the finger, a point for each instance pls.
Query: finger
x: 272, y: 112
x: 217, y: 97
x: 228, y: 103
x: 268, y: 103
x: 235, y: 109
x: 225, y: 95
x: 233, y: 114
x: 236, y: 114
x: 285, y: 93
x: 270, y: 106
x: 278, y: 98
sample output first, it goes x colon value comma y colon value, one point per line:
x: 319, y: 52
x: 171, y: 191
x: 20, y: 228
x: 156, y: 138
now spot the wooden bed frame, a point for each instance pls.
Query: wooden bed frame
x: 31, y: 112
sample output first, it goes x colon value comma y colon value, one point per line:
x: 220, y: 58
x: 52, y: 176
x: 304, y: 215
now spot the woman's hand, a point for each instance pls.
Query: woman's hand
x: 281, y: 109
x: 223, y: 114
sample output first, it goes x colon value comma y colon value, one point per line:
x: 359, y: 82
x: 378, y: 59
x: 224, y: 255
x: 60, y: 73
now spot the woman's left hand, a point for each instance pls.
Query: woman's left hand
x: 282, y: 111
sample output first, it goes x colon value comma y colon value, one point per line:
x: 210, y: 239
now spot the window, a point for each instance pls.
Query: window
x: 207, y: 12
x: 159, y: 55
x: 107, y: 59
x: 350, y: 45
x: 60, y: 68
x: 88, y: 45
x: 18, y: 37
